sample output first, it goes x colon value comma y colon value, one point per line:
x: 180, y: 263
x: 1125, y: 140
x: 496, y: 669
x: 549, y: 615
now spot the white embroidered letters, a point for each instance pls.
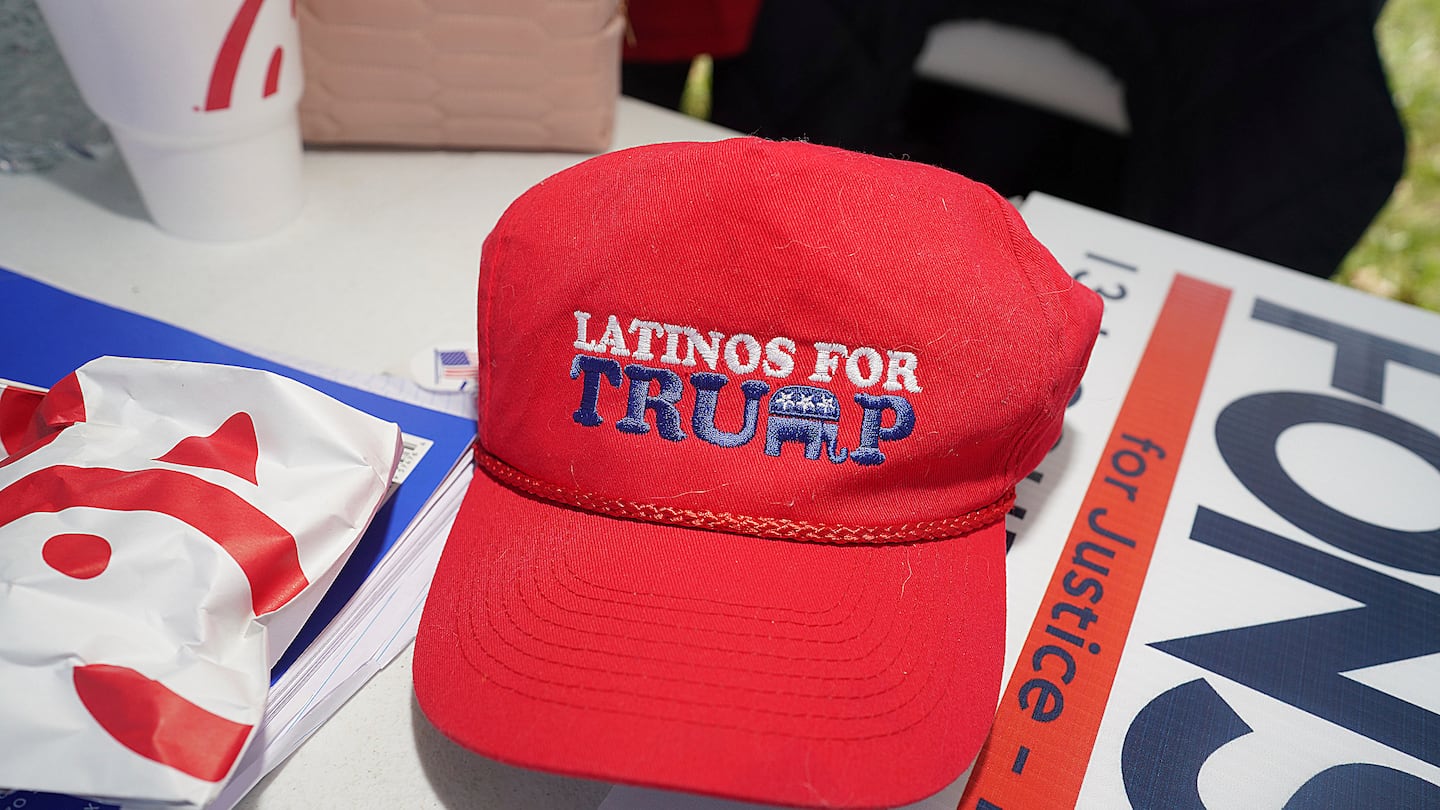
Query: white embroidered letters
x: 644, y: 332
x: 875, y: 370
x: 582, y: 341
x: 779, y: 357
x: 902, y: 364
x: 614, y: 338
x: 827, y: 358
x: 741, y: 353
x: 752, y: 354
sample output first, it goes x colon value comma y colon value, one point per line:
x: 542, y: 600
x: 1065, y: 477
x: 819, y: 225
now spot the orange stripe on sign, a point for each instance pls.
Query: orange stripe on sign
x: 1050, y: 712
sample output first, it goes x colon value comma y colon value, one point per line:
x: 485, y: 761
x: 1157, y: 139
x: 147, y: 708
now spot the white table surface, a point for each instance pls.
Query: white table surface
x: 380, y: 263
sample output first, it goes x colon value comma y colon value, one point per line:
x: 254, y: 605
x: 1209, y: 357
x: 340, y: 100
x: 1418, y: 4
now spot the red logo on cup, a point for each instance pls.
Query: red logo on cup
x: 227, y: 61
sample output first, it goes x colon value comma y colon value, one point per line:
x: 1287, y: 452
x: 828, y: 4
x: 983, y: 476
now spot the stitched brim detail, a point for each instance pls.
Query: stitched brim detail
x: 748, y: 668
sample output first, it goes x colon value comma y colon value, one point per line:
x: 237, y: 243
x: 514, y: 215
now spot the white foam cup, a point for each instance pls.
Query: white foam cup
x: 202, y: 98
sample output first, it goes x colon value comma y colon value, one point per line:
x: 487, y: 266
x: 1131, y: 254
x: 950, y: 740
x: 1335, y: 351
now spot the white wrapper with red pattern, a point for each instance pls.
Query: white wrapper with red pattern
x: 165, y: 530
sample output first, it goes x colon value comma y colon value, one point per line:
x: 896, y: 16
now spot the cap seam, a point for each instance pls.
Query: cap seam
x: 486, y: 361
x: 1007, y: 212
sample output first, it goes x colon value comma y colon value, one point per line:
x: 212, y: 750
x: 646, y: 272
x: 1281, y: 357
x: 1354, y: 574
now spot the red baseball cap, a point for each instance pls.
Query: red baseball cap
x: 751, y: 415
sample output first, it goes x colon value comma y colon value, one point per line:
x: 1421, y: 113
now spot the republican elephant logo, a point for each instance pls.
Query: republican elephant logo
x: 805, y: 414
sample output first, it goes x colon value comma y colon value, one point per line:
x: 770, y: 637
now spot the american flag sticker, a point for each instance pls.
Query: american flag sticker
x: 446, y: 367
x: 455, y: 364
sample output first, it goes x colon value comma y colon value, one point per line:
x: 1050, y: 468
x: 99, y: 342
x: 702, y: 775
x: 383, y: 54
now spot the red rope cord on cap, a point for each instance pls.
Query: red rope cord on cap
x: 779, y: 528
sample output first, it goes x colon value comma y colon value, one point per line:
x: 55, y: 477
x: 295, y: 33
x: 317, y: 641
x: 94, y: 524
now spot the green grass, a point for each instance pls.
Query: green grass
x: 695, y: 100
x: 1399, y: 256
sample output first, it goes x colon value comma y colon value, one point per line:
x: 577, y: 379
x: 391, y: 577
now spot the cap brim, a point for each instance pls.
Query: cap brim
x: 762, y: 670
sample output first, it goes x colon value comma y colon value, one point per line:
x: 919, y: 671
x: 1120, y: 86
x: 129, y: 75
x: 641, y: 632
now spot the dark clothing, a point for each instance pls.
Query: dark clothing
x: 1264, y: 126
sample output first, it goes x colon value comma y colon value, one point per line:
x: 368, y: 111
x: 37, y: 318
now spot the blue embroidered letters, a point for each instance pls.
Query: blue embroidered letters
x: 707, y: 388
x: 593, y: 368
x: 871, y: 433
x: 667, y: 419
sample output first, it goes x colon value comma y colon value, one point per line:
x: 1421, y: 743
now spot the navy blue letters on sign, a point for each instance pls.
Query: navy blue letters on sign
x: 1307, y: 661
x: 1169, y: 742
x: 1248, y: 432
x: 1395, y: 622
